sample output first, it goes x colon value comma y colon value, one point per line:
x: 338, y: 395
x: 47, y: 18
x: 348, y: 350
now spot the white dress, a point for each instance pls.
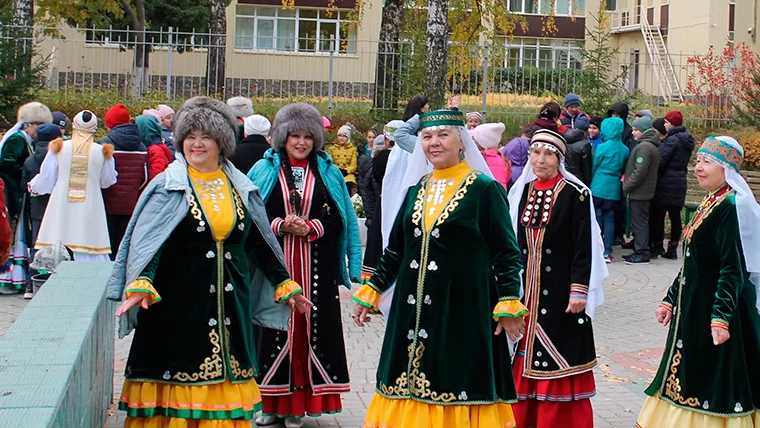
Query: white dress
x: 79, y: 224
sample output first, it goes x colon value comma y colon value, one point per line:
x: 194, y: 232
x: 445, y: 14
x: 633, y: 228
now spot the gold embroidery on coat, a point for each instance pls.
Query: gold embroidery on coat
x: 454, y: 202
x: 238, y: 204
x: 673, y: 384
x: 235, y: 367
x: 211, y: 367
x: 78, y: 177
x: 416, y: 382
x: 194, y: 210
x: 418, y: 205
x: 703, y: 211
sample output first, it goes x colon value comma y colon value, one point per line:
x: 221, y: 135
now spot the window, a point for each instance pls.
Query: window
x: 543, y: 53
x: 293, y: 30
x: 544, y: 7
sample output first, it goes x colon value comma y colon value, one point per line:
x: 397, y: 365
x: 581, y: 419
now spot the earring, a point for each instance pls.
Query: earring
x: 461, y: 155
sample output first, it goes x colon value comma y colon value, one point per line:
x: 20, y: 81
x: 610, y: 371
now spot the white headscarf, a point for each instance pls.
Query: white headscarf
x: 417, y: 166
x: 19, y: 126
x: 598, y: 266
x: 748, y: 213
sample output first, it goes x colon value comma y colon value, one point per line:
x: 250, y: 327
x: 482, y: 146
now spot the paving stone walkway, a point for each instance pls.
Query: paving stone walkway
x: 629, y: 346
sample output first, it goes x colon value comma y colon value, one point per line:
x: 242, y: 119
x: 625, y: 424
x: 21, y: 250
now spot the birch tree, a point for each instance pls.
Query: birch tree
x: 217, y: 57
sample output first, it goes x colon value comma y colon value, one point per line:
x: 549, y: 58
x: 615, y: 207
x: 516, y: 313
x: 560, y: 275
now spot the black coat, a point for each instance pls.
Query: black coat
x: 675, y: 154
x: 250, y: 150
x: 125, y: 138
x: 622, y: 110
x: 32, y: 165
x: 578, y: 159
x: 367, y: 188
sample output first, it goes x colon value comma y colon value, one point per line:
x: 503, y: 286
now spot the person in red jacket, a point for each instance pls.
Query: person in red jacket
x: 5, y: 233
x: 159, y: 154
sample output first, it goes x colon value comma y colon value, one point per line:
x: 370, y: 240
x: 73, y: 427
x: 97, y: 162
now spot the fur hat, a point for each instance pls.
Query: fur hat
x: 242, y: 107
x: 294, y: 118
x: 208, y: 115
x: 35, y: 112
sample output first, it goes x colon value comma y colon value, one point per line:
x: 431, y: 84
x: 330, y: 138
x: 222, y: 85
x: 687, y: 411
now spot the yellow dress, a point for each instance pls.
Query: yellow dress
x: 241, y: 400
x: 408, y: 413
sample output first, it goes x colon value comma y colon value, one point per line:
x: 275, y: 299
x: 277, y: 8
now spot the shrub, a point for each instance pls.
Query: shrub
x: 749, y: 138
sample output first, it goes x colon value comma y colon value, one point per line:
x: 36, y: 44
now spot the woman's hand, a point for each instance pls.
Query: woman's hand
x: 300, y: 303
x: 514, y: 327
x: 141, y: 299
x: 360, y: 315
x: 663, y: 315
x: 720, y: 335
x: 576, y: 306
x: 295, y: 226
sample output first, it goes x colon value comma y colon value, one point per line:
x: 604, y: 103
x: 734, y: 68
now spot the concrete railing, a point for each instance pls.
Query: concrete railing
x: 56, y: 360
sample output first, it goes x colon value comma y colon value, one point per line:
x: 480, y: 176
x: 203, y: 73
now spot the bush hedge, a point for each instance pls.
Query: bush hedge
x: 525, y: 80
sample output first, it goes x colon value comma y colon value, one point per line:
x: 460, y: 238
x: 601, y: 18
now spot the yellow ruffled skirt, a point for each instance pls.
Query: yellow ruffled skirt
x: 220, y: 405
x: 388, y: 413
x: 658, y: 413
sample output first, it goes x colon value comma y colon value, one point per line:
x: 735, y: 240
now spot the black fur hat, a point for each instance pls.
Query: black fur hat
x: 298, y: 117
x: 208, y: 115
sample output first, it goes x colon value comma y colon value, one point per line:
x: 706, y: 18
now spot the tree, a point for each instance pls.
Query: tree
x: 22, y: 72
x: 437, y: 52
x: 600, y: 84
x: 217, y: 59
x: 389, y: 56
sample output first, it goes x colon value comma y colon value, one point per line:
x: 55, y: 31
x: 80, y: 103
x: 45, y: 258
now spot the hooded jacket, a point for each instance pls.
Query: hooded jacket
x: 516, y: 151
x: 125, y: 138
x: 623, y: 110
x: 642, y: 167
x: 578, y: 159
x: 159, y: 154
x: 250, y: 150
x: 582, y: 120
x: 675, y: 153
x: 609, y: 161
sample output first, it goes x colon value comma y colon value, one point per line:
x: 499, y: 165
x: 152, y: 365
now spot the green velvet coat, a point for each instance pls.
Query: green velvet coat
x: 15, y: 151
x: 712, y: 286
x: 201, y: 331
x: 439, y: 347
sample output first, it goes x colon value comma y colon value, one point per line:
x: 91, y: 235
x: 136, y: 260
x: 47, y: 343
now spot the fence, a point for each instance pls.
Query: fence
x: 508, y: 81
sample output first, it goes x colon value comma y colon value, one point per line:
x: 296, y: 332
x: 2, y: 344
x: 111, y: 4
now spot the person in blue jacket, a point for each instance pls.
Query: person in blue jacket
x: 607, y: 169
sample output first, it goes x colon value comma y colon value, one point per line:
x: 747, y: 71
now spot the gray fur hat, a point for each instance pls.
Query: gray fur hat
x: 35, y: 112
x: 298, y: 117
x: 208, y: 115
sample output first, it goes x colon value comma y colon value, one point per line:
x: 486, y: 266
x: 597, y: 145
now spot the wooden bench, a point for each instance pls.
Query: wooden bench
x: 695, y: 194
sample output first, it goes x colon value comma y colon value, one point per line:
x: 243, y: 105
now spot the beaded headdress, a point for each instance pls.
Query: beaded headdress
x: 550, y: 140
x: 723, y: 152
x: 441, y: 118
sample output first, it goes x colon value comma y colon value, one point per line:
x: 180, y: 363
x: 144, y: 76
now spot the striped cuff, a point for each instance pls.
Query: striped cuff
x: 511, y: 308
x: 143, y: 285
x: 367, y: 274
x: 286, y: 290
x: 667, y: 306
x: 719, y: 323
x: 578, y: 291
x: 367, y: 296
x: 277, y: 226
x: 317, y: 230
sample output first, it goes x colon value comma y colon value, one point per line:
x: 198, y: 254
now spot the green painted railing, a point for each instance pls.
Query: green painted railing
x: 56, y: 360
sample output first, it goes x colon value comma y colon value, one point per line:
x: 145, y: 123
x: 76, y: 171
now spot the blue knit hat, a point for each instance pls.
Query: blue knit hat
x: 48, y: 132
x: 572, y: 100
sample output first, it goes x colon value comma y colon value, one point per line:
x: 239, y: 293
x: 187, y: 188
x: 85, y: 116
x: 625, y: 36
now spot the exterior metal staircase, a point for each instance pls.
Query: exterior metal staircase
x: 670, y: 88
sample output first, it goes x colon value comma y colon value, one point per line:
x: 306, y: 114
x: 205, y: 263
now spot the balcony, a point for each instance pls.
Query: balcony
x: 630, y: 17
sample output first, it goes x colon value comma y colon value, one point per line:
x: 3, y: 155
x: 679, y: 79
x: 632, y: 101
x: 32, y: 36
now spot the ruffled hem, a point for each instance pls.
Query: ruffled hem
x: 143, y: 286
x: 511, y: 308
x: 302, y: 403
x: 658, y: 413
x: 164, y: 422
x: 217, y: 401
x: 575, y: 387
x: 407, y: 413
x: 367, y: 296
x: 286, y: 290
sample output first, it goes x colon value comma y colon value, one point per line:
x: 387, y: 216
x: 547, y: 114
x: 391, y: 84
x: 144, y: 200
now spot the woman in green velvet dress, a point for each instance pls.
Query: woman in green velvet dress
x: 709, y: 376
x: 456, y: 264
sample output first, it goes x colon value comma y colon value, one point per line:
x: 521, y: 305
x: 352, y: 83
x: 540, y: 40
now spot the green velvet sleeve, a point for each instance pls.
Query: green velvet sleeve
x: 501, y: 241
x: 12, y: 150
x: 150, y: 270
x: 670, y: 298
x: 388, y: 267
x: 731, y: 279
x: 265, y: 259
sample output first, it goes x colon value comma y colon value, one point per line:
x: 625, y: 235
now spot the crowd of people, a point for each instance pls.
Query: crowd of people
x: 231, y: 236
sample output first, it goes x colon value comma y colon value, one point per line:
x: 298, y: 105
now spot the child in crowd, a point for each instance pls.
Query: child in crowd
x: 488, y: 137
x: 517, y: 150
x: 594, y: 132
x: 345, y: 157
